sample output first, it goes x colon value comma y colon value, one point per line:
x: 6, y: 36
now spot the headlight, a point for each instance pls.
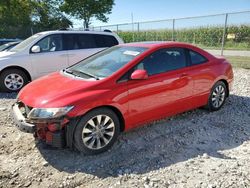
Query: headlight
x: 48, y: 113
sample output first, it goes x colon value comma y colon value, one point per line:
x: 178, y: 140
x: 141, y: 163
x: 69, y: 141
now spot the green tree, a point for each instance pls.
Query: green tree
x: 18, y: 18
x: 86, y: 9
x: 48, y: 16
x: 15, y: 17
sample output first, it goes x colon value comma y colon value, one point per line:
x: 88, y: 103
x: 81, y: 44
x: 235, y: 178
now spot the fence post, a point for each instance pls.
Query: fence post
x: 173, y: 29
x: 117, y: 28
x: 224, y: 34
x: 138, y: 30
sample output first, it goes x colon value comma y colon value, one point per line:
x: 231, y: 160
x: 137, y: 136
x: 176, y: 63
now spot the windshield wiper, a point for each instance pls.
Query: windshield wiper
x: 88, y: 74
x: 70, y: 72
x: 77, y: 72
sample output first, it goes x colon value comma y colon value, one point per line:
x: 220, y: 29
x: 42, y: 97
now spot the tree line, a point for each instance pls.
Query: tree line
x: 21, y: 18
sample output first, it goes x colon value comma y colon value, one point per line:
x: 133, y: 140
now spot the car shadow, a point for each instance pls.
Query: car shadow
x: 163, y: 143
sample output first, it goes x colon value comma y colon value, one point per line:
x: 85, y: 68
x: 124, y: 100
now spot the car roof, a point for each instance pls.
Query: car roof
x: 77, y: 31
x: 153, y: 44
x: 166, y: 44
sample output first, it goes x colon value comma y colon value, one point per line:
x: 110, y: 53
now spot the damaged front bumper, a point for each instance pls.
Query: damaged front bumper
x: 20, y: 120
x: 50, y: 131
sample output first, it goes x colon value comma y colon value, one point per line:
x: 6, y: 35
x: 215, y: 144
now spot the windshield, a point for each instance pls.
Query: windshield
x: 106, y: 62
x: 22, y: 45
x: 2, y: 47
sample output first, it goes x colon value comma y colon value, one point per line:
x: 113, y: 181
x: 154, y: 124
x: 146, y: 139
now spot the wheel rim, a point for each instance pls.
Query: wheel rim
x: 218, y: 96
x: 13, y: 81
x: 98, y: 132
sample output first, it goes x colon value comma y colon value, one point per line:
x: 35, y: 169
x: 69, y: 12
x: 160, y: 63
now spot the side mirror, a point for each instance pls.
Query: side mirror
x: 35, y: 49
x: 139, y: 75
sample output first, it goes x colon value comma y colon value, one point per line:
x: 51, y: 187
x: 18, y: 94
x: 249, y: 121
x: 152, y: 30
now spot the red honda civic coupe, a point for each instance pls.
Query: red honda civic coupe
x: 87, y: 105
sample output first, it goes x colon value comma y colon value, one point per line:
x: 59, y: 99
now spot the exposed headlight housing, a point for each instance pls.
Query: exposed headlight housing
x: 49, y: 113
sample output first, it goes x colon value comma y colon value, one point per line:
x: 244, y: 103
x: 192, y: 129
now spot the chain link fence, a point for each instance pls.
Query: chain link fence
x: 219, y: 31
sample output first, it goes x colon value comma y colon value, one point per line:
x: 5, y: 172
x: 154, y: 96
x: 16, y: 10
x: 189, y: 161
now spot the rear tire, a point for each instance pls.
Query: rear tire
x: 218, y: 95
x: 12, y: 80
x: 97, y: 131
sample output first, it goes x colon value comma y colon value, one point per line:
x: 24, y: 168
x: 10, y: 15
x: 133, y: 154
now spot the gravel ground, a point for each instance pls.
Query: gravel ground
x: 193, y: 149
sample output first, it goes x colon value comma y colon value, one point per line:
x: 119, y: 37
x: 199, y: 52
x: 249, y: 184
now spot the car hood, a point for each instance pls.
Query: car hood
x: 55, y: 90
x: 6, y: 54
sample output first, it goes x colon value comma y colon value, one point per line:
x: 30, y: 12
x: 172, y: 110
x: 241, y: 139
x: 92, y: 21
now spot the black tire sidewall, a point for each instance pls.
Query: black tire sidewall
x: 78, y: 143
x: 10, y: 71
x: 210, y: 103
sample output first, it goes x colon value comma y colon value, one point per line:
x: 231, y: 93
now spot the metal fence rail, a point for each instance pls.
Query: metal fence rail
x: 218, y: 31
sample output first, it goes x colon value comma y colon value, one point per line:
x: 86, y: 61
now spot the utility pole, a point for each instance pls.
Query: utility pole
x: 132, y: 21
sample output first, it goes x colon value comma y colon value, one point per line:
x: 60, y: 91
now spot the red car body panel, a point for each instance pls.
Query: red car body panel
x: 139, y: 101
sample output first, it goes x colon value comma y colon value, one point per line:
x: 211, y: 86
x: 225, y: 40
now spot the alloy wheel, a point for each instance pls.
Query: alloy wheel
x: 218, y: 96
x: 13, y: 81
x: 98, y: 132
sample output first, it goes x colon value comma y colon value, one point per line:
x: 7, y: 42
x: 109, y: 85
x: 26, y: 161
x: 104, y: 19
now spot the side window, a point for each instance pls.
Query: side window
x: 78, y: 41
x: 69, y: 41
x: 85, y: 41
x: 163, y: 60
x: 103, y: 41
x: 50, y: 43
x: 196, y: 58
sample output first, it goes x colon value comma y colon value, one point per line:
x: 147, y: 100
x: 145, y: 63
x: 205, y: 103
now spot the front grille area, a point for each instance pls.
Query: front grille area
x: 24, y: 108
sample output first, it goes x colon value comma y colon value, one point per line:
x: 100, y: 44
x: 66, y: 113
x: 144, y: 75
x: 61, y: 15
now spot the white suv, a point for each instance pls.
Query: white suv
x: 47, y: 52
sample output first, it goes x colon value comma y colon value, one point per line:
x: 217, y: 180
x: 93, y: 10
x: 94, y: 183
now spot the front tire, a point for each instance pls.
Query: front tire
x: 97, y: 131
x: 12, y: 80
x: 217, y: 97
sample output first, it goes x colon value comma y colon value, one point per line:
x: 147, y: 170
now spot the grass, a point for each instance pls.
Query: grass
x: 239, y: 47
x: 239, y: 61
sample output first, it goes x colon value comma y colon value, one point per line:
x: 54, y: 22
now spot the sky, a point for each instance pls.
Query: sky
x: 147, y: 10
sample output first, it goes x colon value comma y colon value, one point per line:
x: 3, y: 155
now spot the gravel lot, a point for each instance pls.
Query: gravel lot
x: 193, y: 149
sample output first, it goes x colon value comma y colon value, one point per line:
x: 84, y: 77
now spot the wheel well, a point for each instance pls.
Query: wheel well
x: 19, y: 68
x: 117, y: 112
x: 226, y: 83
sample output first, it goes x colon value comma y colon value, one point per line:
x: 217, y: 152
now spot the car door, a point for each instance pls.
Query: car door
x: 52, y: 56
x: 167, y: 89
x: 202, y: 76
x: 80, y: 46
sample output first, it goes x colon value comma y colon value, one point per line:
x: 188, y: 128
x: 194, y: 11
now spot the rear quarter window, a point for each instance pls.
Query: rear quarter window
x: 196, y: 58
